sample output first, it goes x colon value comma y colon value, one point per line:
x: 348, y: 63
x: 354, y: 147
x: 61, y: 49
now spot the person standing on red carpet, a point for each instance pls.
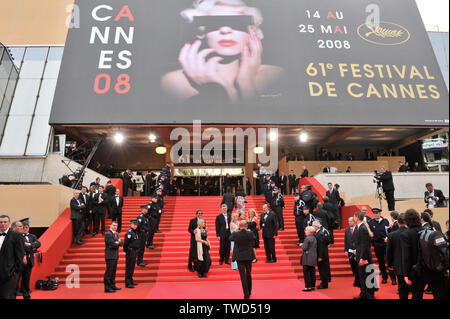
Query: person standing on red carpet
x: 309, y: 259
x: 223, y: 233
x: 112, y: 244
x: 244, y: 254
x: 130, y: 247
x: 269, y: 227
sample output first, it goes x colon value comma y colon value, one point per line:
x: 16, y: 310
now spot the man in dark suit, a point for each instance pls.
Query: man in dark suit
x: 385, y: 177
x: 326, y: 219
x: 227, y: 183
x: 299, y: 218
x: 91, y: 210
x: 394, y: 257
x: 31, y: 245
x: 327, y: 169
x: 126, y: 181
x: 283, y: 183
x: 292, y: 183
x: 277, y: 205
x: 223, y: 233
x: 244, y: 254
x: 110, y: 190
x: 363, y: 257
x: 84, y: 198
x: 12, y: 255
x: 333, y: 196
x: 193, y: 224
x: 100, y: 200
x: 228, y: 199
x: 76, y: 215
x: 350, y: 250
x: 434, y: 197
x: 166, y: 170
x: 269, y: 226
x: 323, y: 257
x: 112, y: 244
x: 116, y: 209
x: 305, y: 172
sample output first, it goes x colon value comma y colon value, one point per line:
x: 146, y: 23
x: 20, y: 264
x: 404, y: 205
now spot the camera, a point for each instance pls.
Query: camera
x: 48, y: 284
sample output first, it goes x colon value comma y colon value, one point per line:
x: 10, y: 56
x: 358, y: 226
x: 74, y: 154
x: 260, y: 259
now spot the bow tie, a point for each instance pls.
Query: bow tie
x: 2, y: 234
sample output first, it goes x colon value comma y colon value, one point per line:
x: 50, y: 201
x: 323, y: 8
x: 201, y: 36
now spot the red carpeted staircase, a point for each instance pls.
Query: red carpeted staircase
x: 168, y: 262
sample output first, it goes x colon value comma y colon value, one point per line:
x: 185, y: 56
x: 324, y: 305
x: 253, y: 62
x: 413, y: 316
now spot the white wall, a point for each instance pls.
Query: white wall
x: 407, y: 185
x: 46, y: 170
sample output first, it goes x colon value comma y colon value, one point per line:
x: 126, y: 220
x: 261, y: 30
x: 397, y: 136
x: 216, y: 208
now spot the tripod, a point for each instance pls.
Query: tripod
x: 379, y: 194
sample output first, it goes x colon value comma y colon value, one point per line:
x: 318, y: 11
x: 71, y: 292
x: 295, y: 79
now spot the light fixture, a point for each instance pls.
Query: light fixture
x: 152, y: 138
x: 119, y: 138
x: 273, y: 136
x: 303, y: 137
x: 258, y: 150
x: 161, y: 149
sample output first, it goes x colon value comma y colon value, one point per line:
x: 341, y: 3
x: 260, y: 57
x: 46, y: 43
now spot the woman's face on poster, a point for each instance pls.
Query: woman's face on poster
x: 227, y: 40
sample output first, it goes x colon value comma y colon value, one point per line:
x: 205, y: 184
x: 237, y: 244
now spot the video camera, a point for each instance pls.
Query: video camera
x: 376, y: 178
x: 48, y: 284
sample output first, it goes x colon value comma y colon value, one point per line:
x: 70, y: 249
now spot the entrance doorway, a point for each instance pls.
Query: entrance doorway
x: 208, y: 181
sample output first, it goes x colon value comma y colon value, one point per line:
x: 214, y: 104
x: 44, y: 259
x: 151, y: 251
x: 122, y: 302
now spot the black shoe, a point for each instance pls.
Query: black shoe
x: 228, y: 263
x: 269, y: 261
x: 103, y: 233
x: 94, y: 233
x: 384, y: 281
x: 79, y: 242
x: 134, y: 283
x: 109, y: 290
x: 129, y: 286
x: 394, y: 283
x: 274, y: 260
x: 19, y: 294
x: 116, y: 288
x: 220, y: 262
x: 158, y: 231
x: 152, y: 247
x: 26, y: 297
x: 142, y: 264
x: 322, y: 287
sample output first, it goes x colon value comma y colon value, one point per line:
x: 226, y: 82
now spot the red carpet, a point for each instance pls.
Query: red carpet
x: 167, y: 269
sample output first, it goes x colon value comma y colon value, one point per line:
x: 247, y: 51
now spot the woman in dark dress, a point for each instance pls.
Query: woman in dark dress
x: 252, y: 221
x: 202, y: 258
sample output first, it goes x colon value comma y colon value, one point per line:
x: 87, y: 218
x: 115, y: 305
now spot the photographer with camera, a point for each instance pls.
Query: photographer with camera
x: 385, y: 181
x: 434, y: 197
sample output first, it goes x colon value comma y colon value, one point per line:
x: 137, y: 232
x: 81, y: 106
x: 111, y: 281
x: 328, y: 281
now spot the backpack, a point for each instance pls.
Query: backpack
x: 433, y: 250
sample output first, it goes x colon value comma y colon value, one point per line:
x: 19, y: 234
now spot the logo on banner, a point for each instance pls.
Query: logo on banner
x: 386, y: 33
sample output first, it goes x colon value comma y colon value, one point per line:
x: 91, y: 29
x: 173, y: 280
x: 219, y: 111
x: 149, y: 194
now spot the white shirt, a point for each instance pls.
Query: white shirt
x: 226, y: 220
x: 117, y: 200
x: 2, y: 239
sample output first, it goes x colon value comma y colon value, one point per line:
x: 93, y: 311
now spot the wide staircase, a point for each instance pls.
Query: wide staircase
x: 168, y: 261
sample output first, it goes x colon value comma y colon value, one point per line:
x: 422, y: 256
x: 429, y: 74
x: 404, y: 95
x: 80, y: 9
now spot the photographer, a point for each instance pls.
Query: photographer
x: 434, y: 197
x: 387, y: 183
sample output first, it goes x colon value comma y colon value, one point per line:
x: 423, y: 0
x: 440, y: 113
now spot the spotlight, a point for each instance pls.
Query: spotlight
x: 273, y: 135
x: 161, y: 150
x: 119, y: 138
x: 258, y: 150
x: 303, y: 137
x: 152, y: 138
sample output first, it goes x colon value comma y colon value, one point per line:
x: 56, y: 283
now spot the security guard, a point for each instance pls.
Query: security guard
x: 277, y: 206
x: 142, y: 230
x: 380, y: 227
x: 130, y: 247
x: 299, y: 218
x: 267, y: 189
x: 154, y: 213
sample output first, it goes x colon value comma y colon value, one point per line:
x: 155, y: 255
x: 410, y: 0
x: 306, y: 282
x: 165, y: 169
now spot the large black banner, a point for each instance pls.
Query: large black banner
x: 327, y: 62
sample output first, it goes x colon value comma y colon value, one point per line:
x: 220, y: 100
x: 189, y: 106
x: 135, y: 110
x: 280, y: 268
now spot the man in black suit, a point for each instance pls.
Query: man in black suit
x: 283, y: 183
x: 126, y: 181
x: 227, y: 183
x: 100, y: 200
x: 110, y: 190
x: 363, y: 257
x: 223, y: 233
x: 334, y: 198
x: 277, y: 205
x: 269, y: 226
x: 76, y: 215
x: 327, y: 169
x: 91, y: 210
x: 326, y: 219
x: 131, y: 245
x: 112, y: 244
x: 323, y: 257
x: 116, y: 209
x: 31, y: 245
x: 12, y: 257
x: 299, y: 218
x: 228, y: 199
x: 84, y: 198
x: 244, y: 254
x: 193, y: 224
x: 292, y: 183
x: 394, y: 257
x: 385, y: 177
x: 350, y: 250
x: 305, y: 172
x: 434, y: 197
